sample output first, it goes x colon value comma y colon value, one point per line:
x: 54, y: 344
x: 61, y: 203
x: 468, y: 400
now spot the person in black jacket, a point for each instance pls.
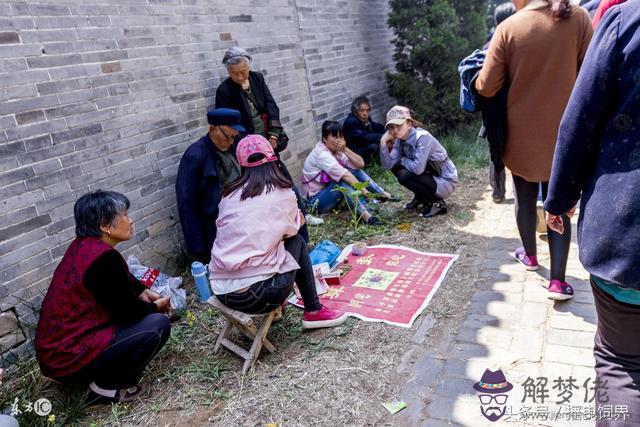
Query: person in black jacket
x: 206, y: 166
x: 247, y: 92
x: 361, y: 133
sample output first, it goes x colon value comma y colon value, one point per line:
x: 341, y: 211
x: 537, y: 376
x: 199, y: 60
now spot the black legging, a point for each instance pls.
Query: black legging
x: 526, y: 196
x: 423, y: 186
x: 122, y: 363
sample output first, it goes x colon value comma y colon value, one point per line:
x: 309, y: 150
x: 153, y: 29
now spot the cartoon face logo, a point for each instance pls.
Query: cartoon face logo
x: 492, y: 389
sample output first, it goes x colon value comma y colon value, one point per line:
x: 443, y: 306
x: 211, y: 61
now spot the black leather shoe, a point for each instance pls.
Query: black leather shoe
x: 374, y: 221
x: 436, y: 208
x: 414, y: 204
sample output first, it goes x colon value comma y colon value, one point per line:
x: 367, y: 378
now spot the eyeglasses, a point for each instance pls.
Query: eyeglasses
x: 230, y: 139
x: 500, y: 399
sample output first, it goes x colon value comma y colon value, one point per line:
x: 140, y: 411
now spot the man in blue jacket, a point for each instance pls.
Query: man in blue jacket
x: 206, y: 166
x: 598, y: 155
x: 361, y: 133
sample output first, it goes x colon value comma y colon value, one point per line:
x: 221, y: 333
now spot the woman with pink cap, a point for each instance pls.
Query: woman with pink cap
x: 419, y: 161
x: 257, y: 257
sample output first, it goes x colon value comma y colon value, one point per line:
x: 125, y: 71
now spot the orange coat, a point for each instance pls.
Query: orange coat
x: 540, y: 57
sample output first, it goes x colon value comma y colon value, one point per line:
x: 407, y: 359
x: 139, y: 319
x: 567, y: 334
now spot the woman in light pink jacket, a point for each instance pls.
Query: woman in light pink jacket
x: 257, y: 254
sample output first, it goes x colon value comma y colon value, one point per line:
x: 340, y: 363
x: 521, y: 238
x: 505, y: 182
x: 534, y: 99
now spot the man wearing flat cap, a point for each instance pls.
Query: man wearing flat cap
x: 206, y: 166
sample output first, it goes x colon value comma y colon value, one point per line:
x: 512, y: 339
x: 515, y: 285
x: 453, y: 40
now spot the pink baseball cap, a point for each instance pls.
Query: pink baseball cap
x: 252, y: 144
x: 397, y: 115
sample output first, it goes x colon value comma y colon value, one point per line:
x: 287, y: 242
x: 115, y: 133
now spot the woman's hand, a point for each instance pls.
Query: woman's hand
x: 149, y: 296
x: 341, y: 144
x: 387, y: 140
x: 273, y: 140
x: 163, y: 305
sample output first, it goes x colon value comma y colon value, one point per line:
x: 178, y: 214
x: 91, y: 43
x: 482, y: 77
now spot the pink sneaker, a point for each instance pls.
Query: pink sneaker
x: 559, y: 291
x: 323, y: 318
x: 529, y: 262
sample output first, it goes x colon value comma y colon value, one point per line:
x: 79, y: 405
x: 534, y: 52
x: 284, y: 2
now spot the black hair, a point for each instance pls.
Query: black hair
x: 560, y: 10
x: 358, y: 101
x: 331, y: 127
x: 98, y: 208
x: 256, y: 179
x: 503, y: 11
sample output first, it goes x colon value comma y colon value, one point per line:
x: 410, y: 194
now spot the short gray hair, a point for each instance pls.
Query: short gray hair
x: 235, y: 55
x: 98, y: 208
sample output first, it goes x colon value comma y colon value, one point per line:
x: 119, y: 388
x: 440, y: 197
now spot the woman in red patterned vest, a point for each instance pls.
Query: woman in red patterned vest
x: 98, y: 324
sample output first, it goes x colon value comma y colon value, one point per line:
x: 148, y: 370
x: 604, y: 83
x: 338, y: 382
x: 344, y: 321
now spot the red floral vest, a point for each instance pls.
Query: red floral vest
x: 73, y: 329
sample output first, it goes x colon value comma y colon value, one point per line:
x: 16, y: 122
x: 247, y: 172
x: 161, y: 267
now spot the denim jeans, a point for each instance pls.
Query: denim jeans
x: 265, y: 295
x: 328, y: 198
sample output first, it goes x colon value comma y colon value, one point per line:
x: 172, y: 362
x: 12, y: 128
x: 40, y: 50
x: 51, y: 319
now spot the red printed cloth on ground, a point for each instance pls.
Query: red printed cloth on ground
x: 390, y: 284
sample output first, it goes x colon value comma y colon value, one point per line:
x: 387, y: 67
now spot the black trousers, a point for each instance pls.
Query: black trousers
x: 526, y: 198
x: 264, y: 296
x: 423, y: 186
x: 122, y: 363
x: 617, y: 353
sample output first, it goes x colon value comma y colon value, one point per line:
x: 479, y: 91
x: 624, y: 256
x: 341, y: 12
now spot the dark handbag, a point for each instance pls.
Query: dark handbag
x: 283, y: 142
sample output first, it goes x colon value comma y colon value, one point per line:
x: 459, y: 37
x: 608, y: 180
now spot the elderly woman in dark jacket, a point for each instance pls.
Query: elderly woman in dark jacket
x: 98, y: 324
x: 247, y: 92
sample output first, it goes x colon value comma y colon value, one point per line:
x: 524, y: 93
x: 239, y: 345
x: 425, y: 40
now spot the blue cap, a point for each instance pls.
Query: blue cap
x: 225, y: 117
x: 197, y: 268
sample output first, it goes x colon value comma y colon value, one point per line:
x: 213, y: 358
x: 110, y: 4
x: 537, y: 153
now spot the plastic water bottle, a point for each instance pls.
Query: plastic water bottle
x: 199, y: 273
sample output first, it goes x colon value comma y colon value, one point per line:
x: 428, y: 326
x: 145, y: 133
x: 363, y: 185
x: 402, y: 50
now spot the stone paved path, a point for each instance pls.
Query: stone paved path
x: 509, y: 324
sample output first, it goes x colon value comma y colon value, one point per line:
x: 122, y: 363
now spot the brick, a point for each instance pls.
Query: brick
x: 69, y: 110
x: 112, y: 55
x: 26, y: 131
x: 76, y: 133
x: 36, y: 36
x: 24, y: 227
x: 9, y: 37
x: 30, y: 117
x: 16, y: 175
x: 50, y: 61
x: 15, y: 22
x: 40, y: 9
x: 28, y: 104
x: 225, y: 36
x: 112, y: 67
x: 13, y: 93
x: 18, y: 51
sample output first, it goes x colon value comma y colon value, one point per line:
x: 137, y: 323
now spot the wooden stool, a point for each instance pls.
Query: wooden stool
x: 245, y: 324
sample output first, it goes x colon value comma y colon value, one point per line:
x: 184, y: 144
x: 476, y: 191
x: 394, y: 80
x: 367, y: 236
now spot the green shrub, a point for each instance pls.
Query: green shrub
x: 431, y: 37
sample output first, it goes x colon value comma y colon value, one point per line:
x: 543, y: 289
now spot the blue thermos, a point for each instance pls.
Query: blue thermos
x: 200, y: 277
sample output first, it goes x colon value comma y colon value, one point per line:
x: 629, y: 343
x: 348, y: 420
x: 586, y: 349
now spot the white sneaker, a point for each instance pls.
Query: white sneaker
x: 313, y: 220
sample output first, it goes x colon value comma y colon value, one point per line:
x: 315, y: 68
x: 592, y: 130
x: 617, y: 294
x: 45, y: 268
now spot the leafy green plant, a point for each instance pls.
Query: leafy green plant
x: 352, y: 199
x: 431, y: 37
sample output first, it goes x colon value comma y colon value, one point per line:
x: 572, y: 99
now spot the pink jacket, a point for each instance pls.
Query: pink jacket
x: 249, y: 241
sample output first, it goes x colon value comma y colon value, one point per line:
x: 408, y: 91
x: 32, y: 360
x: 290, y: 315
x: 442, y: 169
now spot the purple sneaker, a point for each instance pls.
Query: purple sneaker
x: 529, y: 262
x: 559, y: 291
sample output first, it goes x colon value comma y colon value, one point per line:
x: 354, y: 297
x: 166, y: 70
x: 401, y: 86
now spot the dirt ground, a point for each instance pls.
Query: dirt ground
x: 336, y: 376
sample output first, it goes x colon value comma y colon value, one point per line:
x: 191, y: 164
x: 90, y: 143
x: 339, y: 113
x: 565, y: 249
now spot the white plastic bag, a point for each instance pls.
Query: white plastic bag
x: 159, y: 282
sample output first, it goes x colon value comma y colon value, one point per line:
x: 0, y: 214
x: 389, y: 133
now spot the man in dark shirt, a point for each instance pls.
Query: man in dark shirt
x: 360, y: 132
x: 206, y: 166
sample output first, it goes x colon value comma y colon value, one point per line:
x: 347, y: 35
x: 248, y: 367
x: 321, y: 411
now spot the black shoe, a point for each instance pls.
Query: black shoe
x: 374, y: 221
x: 414, y: 204
x: 391, y: 198
x: 498, y: 199
x: 436, y: 208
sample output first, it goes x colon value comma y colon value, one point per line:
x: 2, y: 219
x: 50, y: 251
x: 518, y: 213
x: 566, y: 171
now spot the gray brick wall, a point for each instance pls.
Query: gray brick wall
x: 109, y: 94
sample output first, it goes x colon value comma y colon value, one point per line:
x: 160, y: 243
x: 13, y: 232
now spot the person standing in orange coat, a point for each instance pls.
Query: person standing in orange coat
x: 538, y: 51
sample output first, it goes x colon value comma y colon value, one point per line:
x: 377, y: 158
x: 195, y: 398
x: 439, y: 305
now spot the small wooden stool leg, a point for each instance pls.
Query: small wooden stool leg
x: 257, y: 342
x: 226, y: 329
